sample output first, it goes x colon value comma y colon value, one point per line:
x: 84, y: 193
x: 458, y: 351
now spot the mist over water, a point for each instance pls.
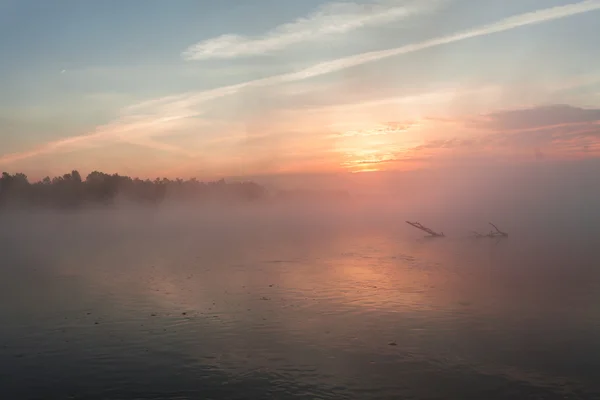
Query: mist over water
x: 310, y: 300
x: 229, y: 200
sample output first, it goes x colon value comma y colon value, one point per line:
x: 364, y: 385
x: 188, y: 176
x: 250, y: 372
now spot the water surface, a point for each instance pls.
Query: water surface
x: 152, y: 307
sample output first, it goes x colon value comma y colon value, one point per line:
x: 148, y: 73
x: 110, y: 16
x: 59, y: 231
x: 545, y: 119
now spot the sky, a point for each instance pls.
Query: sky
x: 207, y: 89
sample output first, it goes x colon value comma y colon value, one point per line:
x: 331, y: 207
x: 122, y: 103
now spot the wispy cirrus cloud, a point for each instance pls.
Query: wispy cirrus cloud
x: 534, y: 118
x: 506, y: 24
x: 329, y: 19
x: 560, y: 130
x: 381, y: 129
x: 328, y: 67
x: 161, y: 113
x: 132, y: 130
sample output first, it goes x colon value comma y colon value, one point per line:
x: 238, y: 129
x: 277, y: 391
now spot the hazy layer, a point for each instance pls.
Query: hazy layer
x: 329, y: 299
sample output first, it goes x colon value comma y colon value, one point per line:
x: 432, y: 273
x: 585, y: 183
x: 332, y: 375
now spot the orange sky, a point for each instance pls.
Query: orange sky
x: 518, y: 84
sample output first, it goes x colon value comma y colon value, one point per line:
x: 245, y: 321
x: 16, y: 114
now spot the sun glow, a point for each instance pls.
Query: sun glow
x: 373, y: 147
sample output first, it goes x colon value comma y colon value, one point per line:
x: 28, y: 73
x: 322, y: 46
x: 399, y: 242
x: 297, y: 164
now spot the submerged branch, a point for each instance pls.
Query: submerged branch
x: 493, y: 234
x: 498, y: 231
x: 425, y: 229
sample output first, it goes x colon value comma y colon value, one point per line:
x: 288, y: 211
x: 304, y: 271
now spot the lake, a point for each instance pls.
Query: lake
x: 144, y: 305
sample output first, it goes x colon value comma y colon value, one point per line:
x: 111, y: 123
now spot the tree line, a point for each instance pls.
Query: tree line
x: 70, y: 190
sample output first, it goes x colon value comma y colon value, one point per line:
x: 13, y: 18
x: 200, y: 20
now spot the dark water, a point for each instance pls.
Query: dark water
x: 121, y: 308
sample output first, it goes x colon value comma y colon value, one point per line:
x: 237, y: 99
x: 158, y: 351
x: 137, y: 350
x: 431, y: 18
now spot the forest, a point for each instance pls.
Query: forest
x: 99, y: 188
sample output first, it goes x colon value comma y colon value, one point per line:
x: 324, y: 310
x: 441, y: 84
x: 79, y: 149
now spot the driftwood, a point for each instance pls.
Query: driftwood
x: 493, y: 234
x: 425, y: 229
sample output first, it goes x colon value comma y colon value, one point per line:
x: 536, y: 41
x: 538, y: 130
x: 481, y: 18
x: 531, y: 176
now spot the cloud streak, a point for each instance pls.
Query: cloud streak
x: 129, y: 130
x: 157, y: 113
x: 506, y: 24
x: 526, y: 131
x: 327, y: 67
x: 329, y: 19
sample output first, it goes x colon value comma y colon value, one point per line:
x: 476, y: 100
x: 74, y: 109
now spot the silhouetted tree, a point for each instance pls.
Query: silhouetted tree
x: 76, y: 176
x: 70, y: 190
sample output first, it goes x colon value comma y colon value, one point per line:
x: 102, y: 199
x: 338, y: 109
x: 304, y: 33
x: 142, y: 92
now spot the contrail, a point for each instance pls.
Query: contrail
x: 184, y: 101
x: 506, y: 24
x: 530, y: 18
x: 328, y: 19
x: 137, y: 129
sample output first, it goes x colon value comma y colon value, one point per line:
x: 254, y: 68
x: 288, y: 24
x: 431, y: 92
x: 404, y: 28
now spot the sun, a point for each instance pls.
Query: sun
x: 374, y: 148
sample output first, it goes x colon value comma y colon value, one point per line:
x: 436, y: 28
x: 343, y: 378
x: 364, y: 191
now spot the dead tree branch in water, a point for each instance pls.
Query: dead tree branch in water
x: 498, y: 231
x: 493, y: 234
x: 425, y: 229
